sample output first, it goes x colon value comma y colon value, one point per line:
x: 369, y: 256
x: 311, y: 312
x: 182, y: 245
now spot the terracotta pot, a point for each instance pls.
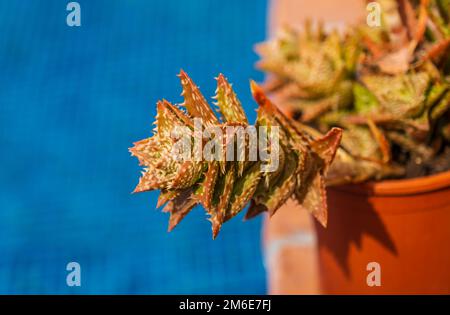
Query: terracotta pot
x: 403, y: 225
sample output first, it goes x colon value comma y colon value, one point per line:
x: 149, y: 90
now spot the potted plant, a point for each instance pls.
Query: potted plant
x: 387, y: 87
x: 363, y: 107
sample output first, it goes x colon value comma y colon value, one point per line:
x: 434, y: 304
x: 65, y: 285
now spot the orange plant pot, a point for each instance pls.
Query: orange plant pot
x: 403, y: 225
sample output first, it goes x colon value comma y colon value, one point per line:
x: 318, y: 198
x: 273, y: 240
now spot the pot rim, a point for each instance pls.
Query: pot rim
x: 400, y: 187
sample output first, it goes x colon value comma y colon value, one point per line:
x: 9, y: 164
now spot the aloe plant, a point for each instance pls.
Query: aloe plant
x: 388, y: 87
x: 380, y: 95
x: 224, y: 187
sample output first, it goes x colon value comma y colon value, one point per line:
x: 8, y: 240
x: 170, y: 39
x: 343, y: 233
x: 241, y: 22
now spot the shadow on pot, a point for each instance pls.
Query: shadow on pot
x: 356, y: 217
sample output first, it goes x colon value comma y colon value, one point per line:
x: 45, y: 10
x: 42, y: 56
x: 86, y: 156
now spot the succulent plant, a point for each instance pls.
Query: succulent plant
x: 225, y: 187
x: 381, y: 95
x: 388, y: 87
x: 313, y: 70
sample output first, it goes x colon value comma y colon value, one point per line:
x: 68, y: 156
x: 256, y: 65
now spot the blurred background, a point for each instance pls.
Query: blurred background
x: 72, y: 100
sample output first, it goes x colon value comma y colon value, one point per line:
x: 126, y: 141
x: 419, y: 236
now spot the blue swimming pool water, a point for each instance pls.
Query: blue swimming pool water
x: 72, y: 100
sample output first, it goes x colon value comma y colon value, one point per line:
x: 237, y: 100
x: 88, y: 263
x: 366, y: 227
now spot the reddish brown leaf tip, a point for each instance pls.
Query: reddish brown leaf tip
x: 315, y: 200
x: 182, y: 73
x: 258, y: 93
x: 327, y: 146
x: 221, y: 78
